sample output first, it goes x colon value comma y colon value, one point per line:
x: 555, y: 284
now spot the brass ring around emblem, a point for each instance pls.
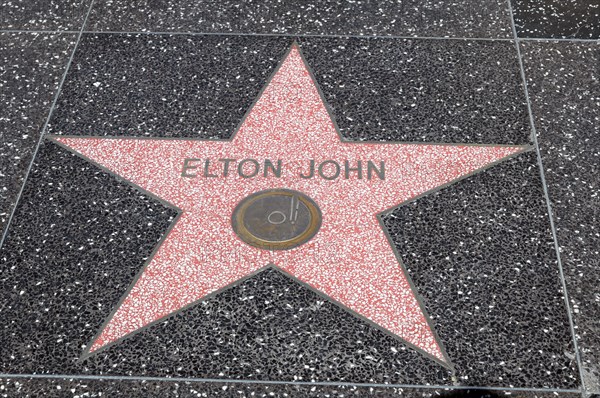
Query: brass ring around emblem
x: 276, y: 219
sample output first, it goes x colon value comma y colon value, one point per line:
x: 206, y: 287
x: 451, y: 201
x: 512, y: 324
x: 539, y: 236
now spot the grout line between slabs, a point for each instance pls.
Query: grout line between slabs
x: 45, y: 127
x: 314, y: 35
x: 256, y: 34
x: 548, y: 202
x: 276, y: 382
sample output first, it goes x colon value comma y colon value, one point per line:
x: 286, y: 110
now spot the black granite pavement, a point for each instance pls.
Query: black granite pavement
x: 506, y: 261
x: 32, y: 65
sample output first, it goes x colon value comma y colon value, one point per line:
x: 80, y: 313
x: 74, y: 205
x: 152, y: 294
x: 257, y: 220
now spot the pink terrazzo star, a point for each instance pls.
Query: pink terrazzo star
x: 350, y: 259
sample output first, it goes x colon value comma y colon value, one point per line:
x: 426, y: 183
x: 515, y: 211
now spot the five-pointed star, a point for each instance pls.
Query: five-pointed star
x: 351, y: 259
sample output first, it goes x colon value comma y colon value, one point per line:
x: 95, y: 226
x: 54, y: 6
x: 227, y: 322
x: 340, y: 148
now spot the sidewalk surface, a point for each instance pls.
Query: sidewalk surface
x: 300, y: 198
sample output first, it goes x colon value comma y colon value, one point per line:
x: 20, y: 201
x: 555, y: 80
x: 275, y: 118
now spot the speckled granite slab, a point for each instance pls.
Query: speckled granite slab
x: 32, y: 65
x: 421, y: 249
x: 565, y: 91
x: 576, y: 19
x: 51, y: 15
x: 58, y: 388
x: 480, y: 18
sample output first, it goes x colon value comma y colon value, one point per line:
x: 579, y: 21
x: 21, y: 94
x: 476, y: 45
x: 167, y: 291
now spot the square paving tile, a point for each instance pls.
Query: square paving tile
x: 482, y: 18
x: 576, y: 19
x: 31, y: 66
x: 43, y: 15
x: 151, y: 256
x: 564, y: 85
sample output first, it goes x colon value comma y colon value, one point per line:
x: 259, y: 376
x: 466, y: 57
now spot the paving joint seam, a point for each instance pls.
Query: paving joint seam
x: 181, y: 33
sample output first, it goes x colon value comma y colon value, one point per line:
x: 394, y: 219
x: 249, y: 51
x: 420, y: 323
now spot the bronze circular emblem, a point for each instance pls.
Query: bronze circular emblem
x: 276, y: 219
